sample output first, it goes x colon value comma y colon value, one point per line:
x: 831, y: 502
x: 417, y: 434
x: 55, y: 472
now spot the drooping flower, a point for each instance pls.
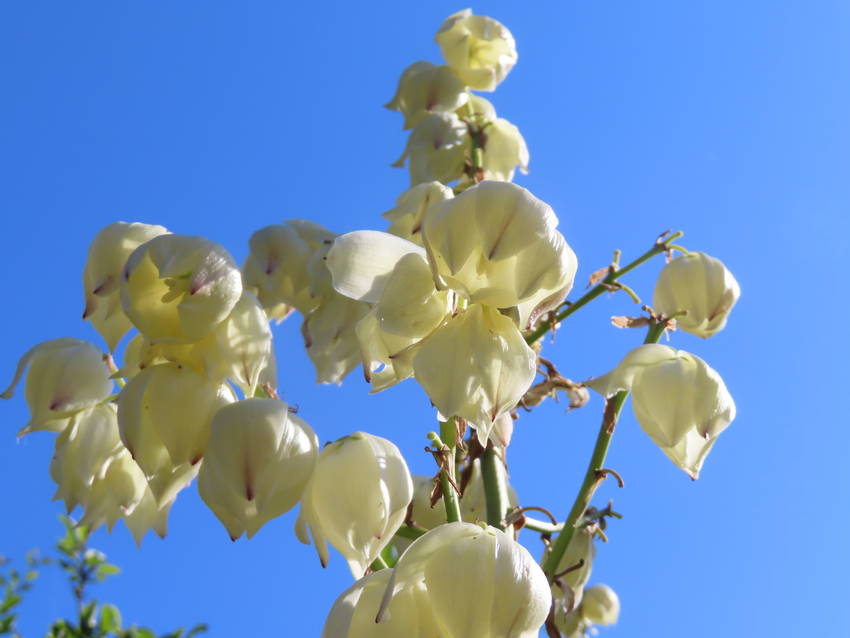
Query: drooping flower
x: 178, y: 288
x: 164, y: 417
x: 679, y: 401
x: 436, y: 149
x: 258, y: 460
x: 65, y: 376
x: 479, y: 49
x: 477, y: 581
x: 356, y: 499
x: 406, y: 217
x: 107, y: 255
x: 700, y: 285
x: 427, y: 88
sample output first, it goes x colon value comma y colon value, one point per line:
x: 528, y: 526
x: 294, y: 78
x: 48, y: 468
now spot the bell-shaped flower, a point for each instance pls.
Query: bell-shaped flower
x: 436, y: 149
x: 107, y: 255
x: 406, y: 218
x: 497, y: 244
x: 330, y: 337
x: 392, y: 274
x: 65, y: 376
x: 600, y: 605
x: 148, y: 514
x: 353, y: 614
x: 504, y: 151
x: 422, y: 512
x: 479, y: 49
x: 476, y: 366
x: 679, y: 401
x: 178, y: 288
x: 257, y: 462
x: 473, y: 503
x: 576, y: 565
x: 164, y: 416
x: 356, y: 499
x: 427, y: 88
x: 239, y: 349
x: 478, y: 582
x: 83, y: 452
x: 278, y: 265
x: 478, y: 110
x: 700, y: 285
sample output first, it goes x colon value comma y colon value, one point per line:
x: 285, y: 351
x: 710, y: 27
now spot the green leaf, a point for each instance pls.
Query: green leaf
x: 106, y: 570
x: 9, y: 603
x: 7, y: 624
x: 110, y: 619
x: 143, y: 632
x: 88, y: 614
x: 200, y: 628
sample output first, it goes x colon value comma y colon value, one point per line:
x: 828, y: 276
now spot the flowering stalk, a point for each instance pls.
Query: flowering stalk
x: 613, y: 275
x: 448, y: 434
x: 495, y: 488
x: 595, y: 475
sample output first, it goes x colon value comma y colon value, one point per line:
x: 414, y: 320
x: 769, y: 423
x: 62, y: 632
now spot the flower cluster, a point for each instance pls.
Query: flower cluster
x: 471, y: 272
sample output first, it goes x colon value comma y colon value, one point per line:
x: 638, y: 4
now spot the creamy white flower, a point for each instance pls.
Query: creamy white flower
x: 473, y: 503
x: 178, y: 288
x: 279, y: 262
x: 406, y: 218
x: 478, y: 110
x: 476, y: 366
x: 479, y: 49
x: 422, y: 513
x: 701, y: 285
x: 256, y: 465
x: 504, y: 151
x: 65, y: 376
x: 330, y: 337
x: 436, y: 149
x: 679, y: 401
x: 427, y: 88
x: 83, y: 452
x: 477, y: 580
x: 601, y: 605
x: 497, y: 244
x: 353, y: 613
x: 164, y: 417
x: 356, y: 499
x: 107, y: 255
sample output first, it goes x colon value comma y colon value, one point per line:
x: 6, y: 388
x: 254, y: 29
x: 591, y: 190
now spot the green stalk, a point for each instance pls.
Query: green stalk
x: 593, y: 478
x: 544, y: 326
x: 495, y: 488
x: 448, y: 434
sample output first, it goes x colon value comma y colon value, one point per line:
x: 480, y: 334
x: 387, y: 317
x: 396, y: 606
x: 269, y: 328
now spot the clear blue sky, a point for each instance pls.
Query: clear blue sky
x: 723, y: 118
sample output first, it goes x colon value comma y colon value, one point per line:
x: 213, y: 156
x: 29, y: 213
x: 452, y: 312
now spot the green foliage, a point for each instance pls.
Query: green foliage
x: 82, y: 566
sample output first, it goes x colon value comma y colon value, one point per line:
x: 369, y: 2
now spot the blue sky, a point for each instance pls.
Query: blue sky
x: 728, y: 120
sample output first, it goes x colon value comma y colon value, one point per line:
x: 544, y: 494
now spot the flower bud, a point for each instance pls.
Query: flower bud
x: 65, y: 376
x: 578, y: 559
x: 476, y: 366
x: 353, y: 613
x: 473, y: 503
x: 406, y: 218
x: 600, y: 605
x: 679, y: 401
x: 479, y: 49
x: 497, y: 244
x: 178, y: 288
x: 437, y: 149
x: 164, y: 416
x: 423, y: 513
x: 700, y: 285
x: 356, y: 499
x: 107, y: 255
x: 278, y: 266
x: 478, y: 109
x: 257, y: 462
x: 504, y: 150
x: 477, y: 580
x: 427, y: 88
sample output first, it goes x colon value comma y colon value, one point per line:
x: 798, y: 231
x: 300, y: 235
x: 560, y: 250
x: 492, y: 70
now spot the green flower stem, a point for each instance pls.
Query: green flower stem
x: 448, y: 434
x: 601, y: 287
x: 378, y: 564
x: 593, y: 477
x: 542, y: 527
x: 495, y: 488
x: 411, y: 532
